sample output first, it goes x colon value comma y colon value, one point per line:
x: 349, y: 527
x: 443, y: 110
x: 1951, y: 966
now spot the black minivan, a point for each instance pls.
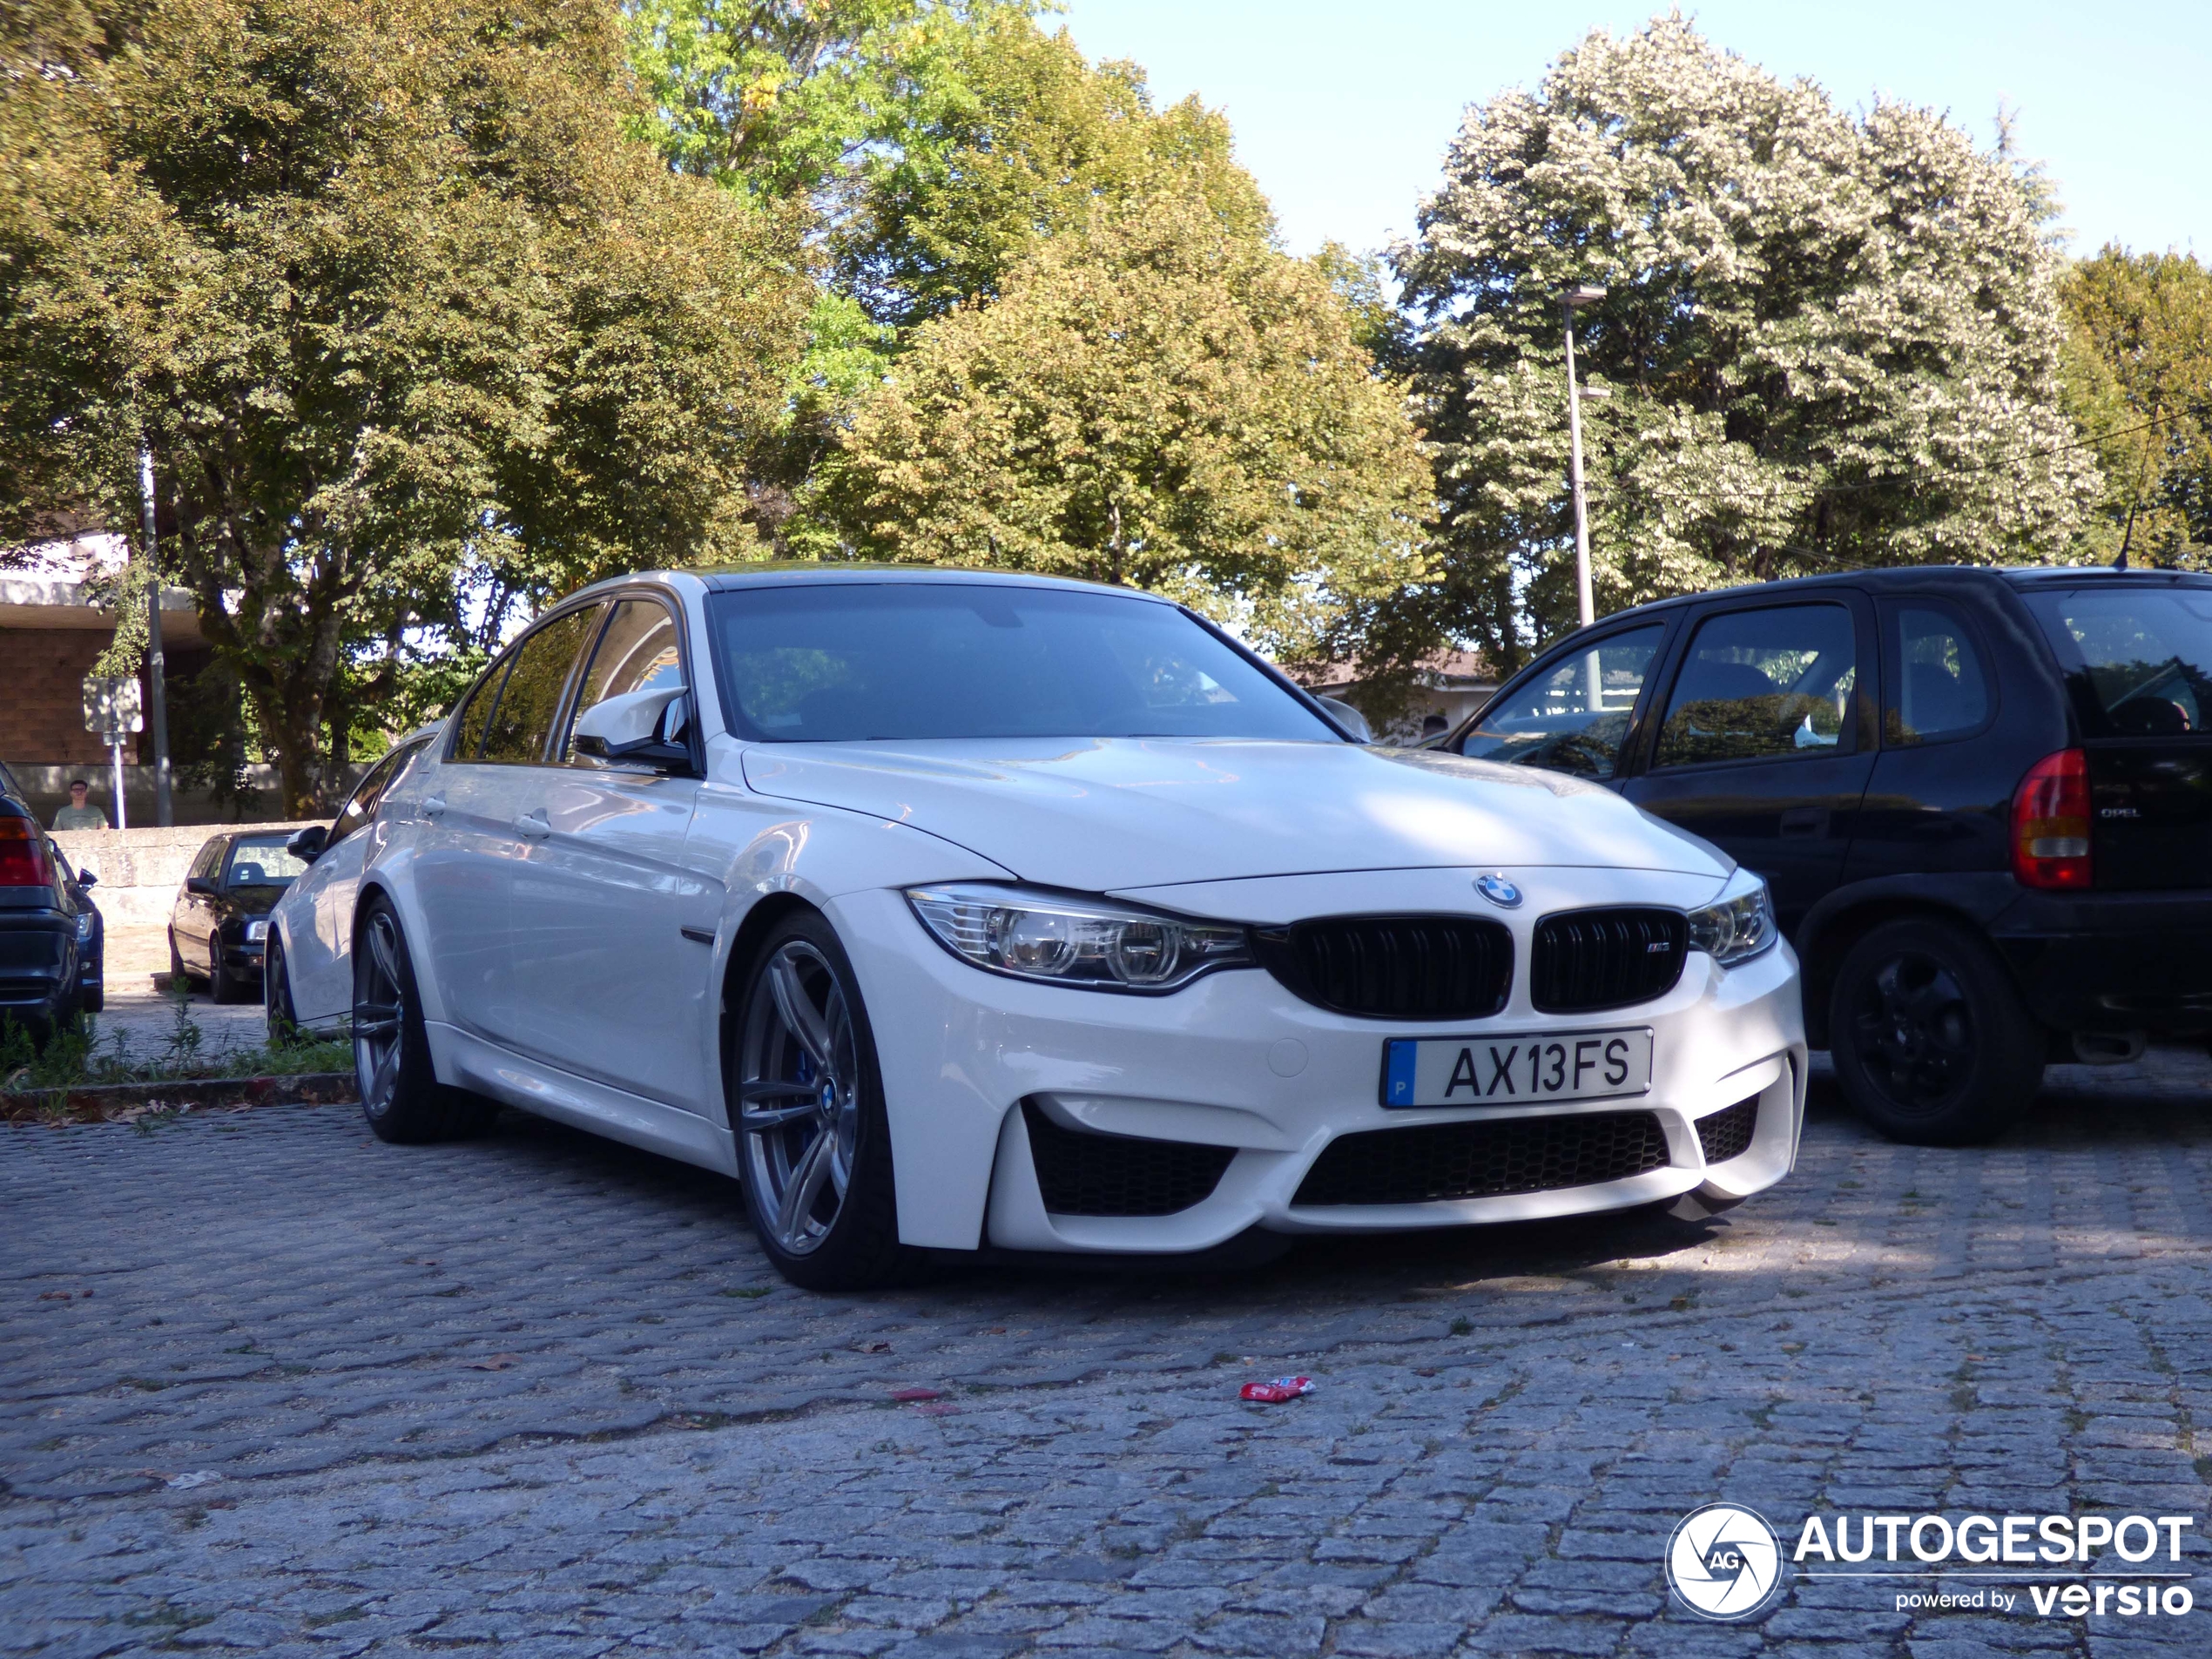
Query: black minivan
x: 1982, y: 798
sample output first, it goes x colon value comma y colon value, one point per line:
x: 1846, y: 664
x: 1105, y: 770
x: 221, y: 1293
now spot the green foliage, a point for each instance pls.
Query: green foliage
x: 74, y: 1057
x: 1019, y: 139
x: 392, y: 296
x: 1154, y: 400
x: 1830, y: 340
x: 2139, y: 380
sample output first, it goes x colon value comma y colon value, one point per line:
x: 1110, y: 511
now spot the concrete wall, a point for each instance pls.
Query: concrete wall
x: 139, y: 869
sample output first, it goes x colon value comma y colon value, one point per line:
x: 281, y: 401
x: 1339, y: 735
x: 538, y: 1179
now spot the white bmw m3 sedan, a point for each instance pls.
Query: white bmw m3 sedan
x: 951, y: 911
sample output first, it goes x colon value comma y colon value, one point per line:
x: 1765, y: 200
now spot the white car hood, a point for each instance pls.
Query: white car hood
x: 1110, y: 815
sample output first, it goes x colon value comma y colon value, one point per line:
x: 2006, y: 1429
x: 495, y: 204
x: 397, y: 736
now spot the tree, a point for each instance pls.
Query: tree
x: 1155, y: 400
x: 1830, y: 340
x: 1020, y: 138
x: 2139, y: 380
x: 392, y: 297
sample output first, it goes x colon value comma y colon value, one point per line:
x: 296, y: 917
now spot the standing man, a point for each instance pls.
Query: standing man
x: 80, y: 814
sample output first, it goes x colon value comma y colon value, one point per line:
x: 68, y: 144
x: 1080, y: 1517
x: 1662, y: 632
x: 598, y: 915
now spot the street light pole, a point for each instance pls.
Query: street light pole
x: 163, y: 814
x: 1585, y: 599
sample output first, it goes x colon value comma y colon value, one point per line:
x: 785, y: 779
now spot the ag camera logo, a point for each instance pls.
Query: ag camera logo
x: 1725, y: 1562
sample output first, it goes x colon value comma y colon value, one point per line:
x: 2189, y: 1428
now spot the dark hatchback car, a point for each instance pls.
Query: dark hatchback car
x: 51, y: 940
x: 1982, y: 798
x: 219, y: 926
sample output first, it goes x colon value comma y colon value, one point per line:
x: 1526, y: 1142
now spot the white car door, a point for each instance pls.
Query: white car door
x: 464, y: 855
x: 318, y: 949
x: 608, y: 979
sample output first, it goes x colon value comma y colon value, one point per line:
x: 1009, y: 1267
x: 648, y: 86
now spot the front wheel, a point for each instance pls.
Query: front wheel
x: 401, y: 1094
x: 1932, y: 1044
x: 222, y: 984
x: 806, y: 1096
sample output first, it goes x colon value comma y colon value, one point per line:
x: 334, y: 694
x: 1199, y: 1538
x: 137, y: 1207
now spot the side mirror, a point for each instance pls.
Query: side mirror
x: 306, y: 845
x: 645, y: 728
x: 200, y: 885
x: 86, y: 878
x: 1346, y: 719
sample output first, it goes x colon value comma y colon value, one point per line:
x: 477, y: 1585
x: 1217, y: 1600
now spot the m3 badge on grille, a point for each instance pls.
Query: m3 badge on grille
x: 1498, y: 890
x: 1509, y: 1070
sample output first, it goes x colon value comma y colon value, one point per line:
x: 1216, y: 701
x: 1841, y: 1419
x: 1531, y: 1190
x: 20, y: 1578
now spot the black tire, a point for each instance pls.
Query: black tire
x: 178, y: 979
x: 276, y: 993
x: 400, y: 1095
x: 222, y: 985
x: 1932, y: 1043
x: 799, y: 1121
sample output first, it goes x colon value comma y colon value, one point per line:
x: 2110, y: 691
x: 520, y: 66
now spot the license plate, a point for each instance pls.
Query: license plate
x: 1499, y: 1071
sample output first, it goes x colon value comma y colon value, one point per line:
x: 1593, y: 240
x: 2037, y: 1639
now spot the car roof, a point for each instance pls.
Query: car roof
x: 1908, y: 578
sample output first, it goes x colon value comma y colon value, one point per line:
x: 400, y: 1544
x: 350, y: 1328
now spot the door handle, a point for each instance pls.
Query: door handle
x: 1806, y: 821
x: 434, y: 806
x: 533, y: 826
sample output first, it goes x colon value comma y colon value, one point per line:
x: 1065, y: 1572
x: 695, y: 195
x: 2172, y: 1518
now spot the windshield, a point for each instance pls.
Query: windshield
x: 849, y: 662
x: 261, y: 863
x: 2143, y: 659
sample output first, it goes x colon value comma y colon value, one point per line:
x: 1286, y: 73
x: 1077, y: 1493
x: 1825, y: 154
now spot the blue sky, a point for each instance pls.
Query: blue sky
x: 1343, y: 111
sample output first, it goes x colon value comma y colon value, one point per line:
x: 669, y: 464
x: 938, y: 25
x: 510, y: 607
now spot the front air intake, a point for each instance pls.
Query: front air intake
x: 1083, y: 1173
x: 1485, y: 1160
x: 1394, y: 968
x: 1584, y: 961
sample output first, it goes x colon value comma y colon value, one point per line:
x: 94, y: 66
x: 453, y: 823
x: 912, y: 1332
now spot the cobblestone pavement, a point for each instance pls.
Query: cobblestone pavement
x: 267, y: 1384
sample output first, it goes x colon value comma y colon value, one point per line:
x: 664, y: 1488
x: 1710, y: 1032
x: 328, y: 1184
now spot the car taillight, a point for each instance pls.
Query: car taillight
x: 2051, y: 822
x: 22, y: 856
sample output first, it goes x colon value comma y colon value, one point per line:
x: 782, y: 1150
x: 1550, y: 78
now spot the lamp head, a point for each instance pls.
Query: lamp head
x: 1582, y: 294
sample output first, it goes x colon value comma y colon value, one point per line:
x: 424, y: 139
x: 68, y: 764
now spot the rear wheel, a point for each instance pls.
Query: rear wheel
x: 180, y: 982
x: 808, y: 1100
x: 401, y: 1094
x: 1932, y: 1044
x: 276, y: 993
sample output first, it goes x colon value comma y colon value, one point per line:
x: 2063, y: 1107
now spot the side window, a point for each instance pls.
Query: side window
x: 531, y: 700
x: 1937, y: 688
x: 475, y: 714
x: 1761, y: 684
x: 360, y: 805
x: 638, y: 652
x: 210, y: 856
x: 1574, y: 718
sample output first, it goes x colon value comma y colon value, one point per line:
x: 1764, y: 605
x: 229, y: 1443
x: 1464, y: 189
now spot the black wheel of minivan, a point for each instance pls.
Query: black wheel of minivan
x: 1930, y: 1040
x: 401, y: 1094
x: 806, y: 1098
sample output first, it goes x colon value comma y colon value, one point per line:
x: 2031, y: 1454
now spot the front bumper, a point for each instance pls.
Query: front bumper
x: 1236, y: 1062
x: 2112, y: 962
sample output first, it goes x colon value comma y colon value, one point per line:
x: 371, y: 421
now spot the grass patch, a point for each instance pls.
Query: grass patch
x: 75, y: 1057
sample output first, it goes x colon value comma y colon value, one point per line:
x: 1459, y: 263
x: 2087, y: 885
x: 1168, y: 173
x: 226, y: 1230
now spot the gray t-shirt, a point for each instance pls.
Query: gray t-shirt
x: 80, y: 817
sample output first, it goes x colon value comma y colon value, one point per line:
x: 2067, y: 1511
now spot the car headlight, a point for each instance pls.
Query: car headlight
x: 83, y: 925
x: 256, y: 932
x: 1087, y: 942
x: 1738, y: 924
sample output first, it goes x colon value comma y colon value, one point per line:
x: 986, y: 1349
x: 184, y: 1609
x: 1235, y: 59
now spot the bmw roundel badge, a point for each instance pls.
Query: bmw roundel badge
x: 1498, y: 890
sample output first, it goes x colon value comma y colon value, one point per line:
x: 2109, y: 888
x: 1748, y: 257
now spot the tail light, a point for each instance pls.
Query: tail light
x: 22, y: 856
x: 2051, y: 823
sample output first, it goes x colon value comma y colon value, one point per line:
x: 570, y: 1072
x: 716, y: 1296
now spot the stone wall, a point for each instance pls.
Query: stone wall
x: 140, y: 869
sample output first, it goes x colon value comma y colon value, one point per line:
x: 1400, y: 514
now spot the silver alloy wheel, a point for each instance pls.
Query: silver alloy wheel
x: 380, y: 1015
x: 798, y: 1095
